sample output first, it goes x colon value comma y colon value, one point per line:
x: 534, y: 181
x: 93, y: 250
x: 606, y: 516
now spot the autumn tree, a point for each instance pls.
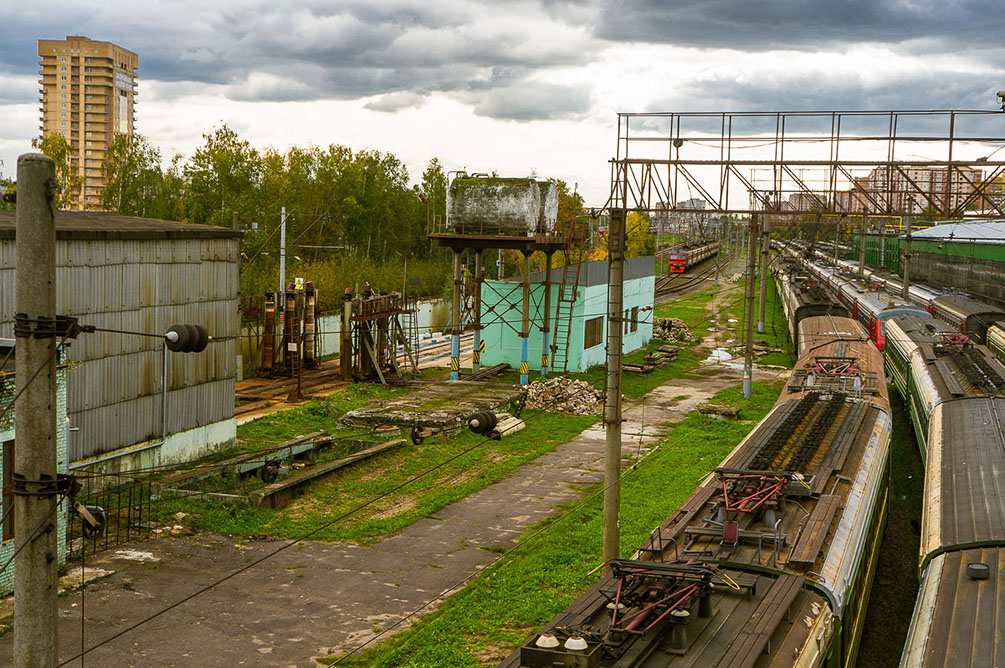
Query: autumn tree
x: 58, y: 147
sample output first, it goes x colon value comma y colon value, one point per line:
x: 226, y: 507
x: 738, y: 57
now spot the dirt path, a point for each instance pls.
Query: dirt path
x: 316, y: 599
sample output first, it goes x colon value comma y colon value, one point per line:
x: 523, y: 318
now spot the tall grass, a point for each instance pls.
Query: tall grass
x: 331, y: 277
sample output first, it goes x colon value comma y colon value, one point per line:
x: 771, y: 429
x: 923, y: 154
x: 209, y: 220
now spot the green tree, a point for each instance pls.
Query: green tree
x: 223, y: 177
x: 640, y: 241
x: 133, y: 177
x: 58, y: 147
x: 6, y: 186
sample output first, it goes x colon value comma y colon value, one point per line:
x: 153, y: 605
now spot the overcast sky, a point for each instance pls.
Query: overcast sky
x: 510, y: 86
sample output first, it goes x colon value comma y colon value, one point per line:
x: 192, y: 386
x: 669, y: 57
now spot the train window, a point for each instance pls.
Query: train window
x: 594, y: 332
x: 635, y: 318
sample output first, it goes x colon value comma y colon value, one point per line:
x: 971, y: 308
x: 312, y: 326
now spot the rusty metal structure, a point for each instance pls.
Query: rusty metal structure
x: 509, y: 214
x: 293, y: 314
x: 847, y: 163
x: 375, y: 336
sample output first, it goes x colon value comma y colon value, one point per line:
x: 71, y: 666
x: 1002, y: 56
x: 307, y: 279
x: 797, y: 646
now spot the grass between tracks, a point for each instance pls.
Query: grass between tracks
x: 551, y: 565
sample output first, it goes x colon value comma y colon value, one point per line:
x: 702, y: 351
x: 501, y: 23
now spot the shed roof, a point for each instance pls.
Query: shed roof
x: 985, y: 231
x: 93, y: 225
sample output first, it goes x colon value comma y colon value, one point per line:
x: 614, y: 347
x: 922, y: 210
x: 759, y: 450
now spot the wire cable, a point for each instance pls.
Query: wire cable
x: 282, y: 548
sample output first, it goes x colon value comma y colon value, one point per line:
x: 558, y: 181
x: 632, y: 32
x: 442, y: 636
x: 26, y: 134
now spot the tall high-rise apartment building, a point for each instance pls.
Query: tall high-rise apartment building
x: 88, y: 92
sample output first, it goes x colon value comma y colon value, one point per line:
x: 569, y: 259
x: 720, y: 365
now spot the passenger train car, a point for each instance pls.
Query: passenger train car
x: 682, y: 258
x: 967, y: 315
x: 802, y: 297
x: 770, y: 561
x: 955, y: 390
x: 875, y: 309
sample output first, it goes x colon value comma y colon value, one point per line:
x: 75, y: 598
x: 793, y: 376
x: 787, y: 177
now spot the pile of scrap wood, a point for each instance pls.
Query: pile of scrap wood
x: 672, y: 329
x: 654, y: 360
x: 661, y: 356
x: 565, y: 395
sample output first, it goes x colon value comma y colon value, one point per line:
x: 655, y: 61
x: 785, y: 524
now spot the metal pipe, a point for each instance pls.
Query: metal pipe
x: 455, y: 330
x: 476, y: 355
x: 546, y: 342
x: 525, y: 323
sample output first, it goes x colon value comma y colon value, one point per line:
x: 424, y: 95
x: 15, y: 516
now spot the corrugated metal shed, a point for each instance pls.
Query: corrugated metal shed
x: 976, y: 231
x: 142, y: 275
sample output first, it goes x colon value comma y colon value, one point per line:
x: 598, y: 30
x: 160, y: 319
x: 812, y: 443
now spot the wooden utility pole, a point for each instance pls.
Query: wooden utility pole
x: 748, y: 355
x: 612, y: 408
x: 35, y: 511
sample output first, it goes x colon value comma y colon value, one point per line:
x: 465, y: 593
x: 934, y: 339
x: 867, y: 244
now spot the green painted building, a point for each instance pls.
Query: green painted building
x: 502, y: 314
x: 964, y: 255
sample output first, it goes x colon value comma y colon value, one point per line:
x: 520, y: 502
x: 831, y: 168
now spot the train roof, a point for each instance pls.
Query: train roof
x: 782, y: 557
x: 952, y: 363
x: 957, y: 620
x: 964, y: 307
x: 963, y: 476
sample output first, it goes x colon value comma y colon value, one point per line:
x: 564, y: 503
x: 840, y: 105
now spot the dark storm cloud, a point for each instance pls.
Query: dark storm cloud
x: 802, y: 24
x: 822, y: 91
x: 261, y: 51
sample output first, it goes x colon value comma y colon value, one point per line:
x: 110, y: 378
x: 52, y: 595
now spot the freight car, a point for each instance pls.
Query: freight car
x: 770, y: 561
x: 956, y: 393
x: 683, y: 258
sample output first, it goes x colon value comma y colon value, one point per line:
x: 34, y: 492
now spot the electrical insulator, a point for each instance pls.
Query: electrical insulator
x: 187, y: 338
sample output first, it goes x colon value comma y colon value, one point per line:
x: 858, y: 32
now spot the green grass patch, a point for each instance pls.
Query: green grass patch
x: 338, y: 494
x: 552, y: 566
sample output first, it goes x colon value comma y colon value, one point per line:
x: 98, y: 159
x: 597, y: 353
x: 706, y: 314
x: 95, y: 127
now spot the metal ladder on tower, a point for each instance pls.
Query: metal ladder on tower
x: 568, y: 291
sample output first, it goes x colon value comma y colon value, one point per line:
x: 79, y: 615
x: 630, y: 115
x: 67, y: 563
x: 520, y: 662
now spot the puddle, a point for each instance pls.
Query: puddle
x: 136, y: 555
x: 719, y: 355
x: 733, y: 320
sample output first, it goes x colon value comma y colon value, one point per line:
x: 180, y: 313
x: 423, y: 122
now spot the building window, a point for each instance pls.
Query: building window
x: 63, y: 96
x: 593, y: 334
x: 62, y: 77
x: 63, y: 87
x: 8, y: 489
x: 635, y: 318
x: 62, y: 124
x: 63, y: 68
x: 626, y: 320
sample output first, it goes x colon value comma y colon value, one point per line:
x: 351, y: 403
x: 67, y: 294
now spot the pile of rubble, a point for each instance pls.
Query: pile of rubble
x: 672, y: 329
x: 572, y: 397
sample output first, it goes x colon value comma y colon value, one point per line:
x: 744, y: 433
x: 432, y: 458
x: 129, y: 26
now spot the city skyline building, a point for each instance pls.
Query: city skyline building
x: 87, y: 94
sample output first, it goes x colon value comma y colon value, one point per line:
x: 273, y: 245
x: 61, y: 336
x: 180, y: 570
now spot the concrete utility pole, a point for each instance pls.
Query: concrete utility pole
x: 748, y: 355
x: 35, y: 576
x: 764, y: 241
x: 612, y: 408
x: 282, y: 252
